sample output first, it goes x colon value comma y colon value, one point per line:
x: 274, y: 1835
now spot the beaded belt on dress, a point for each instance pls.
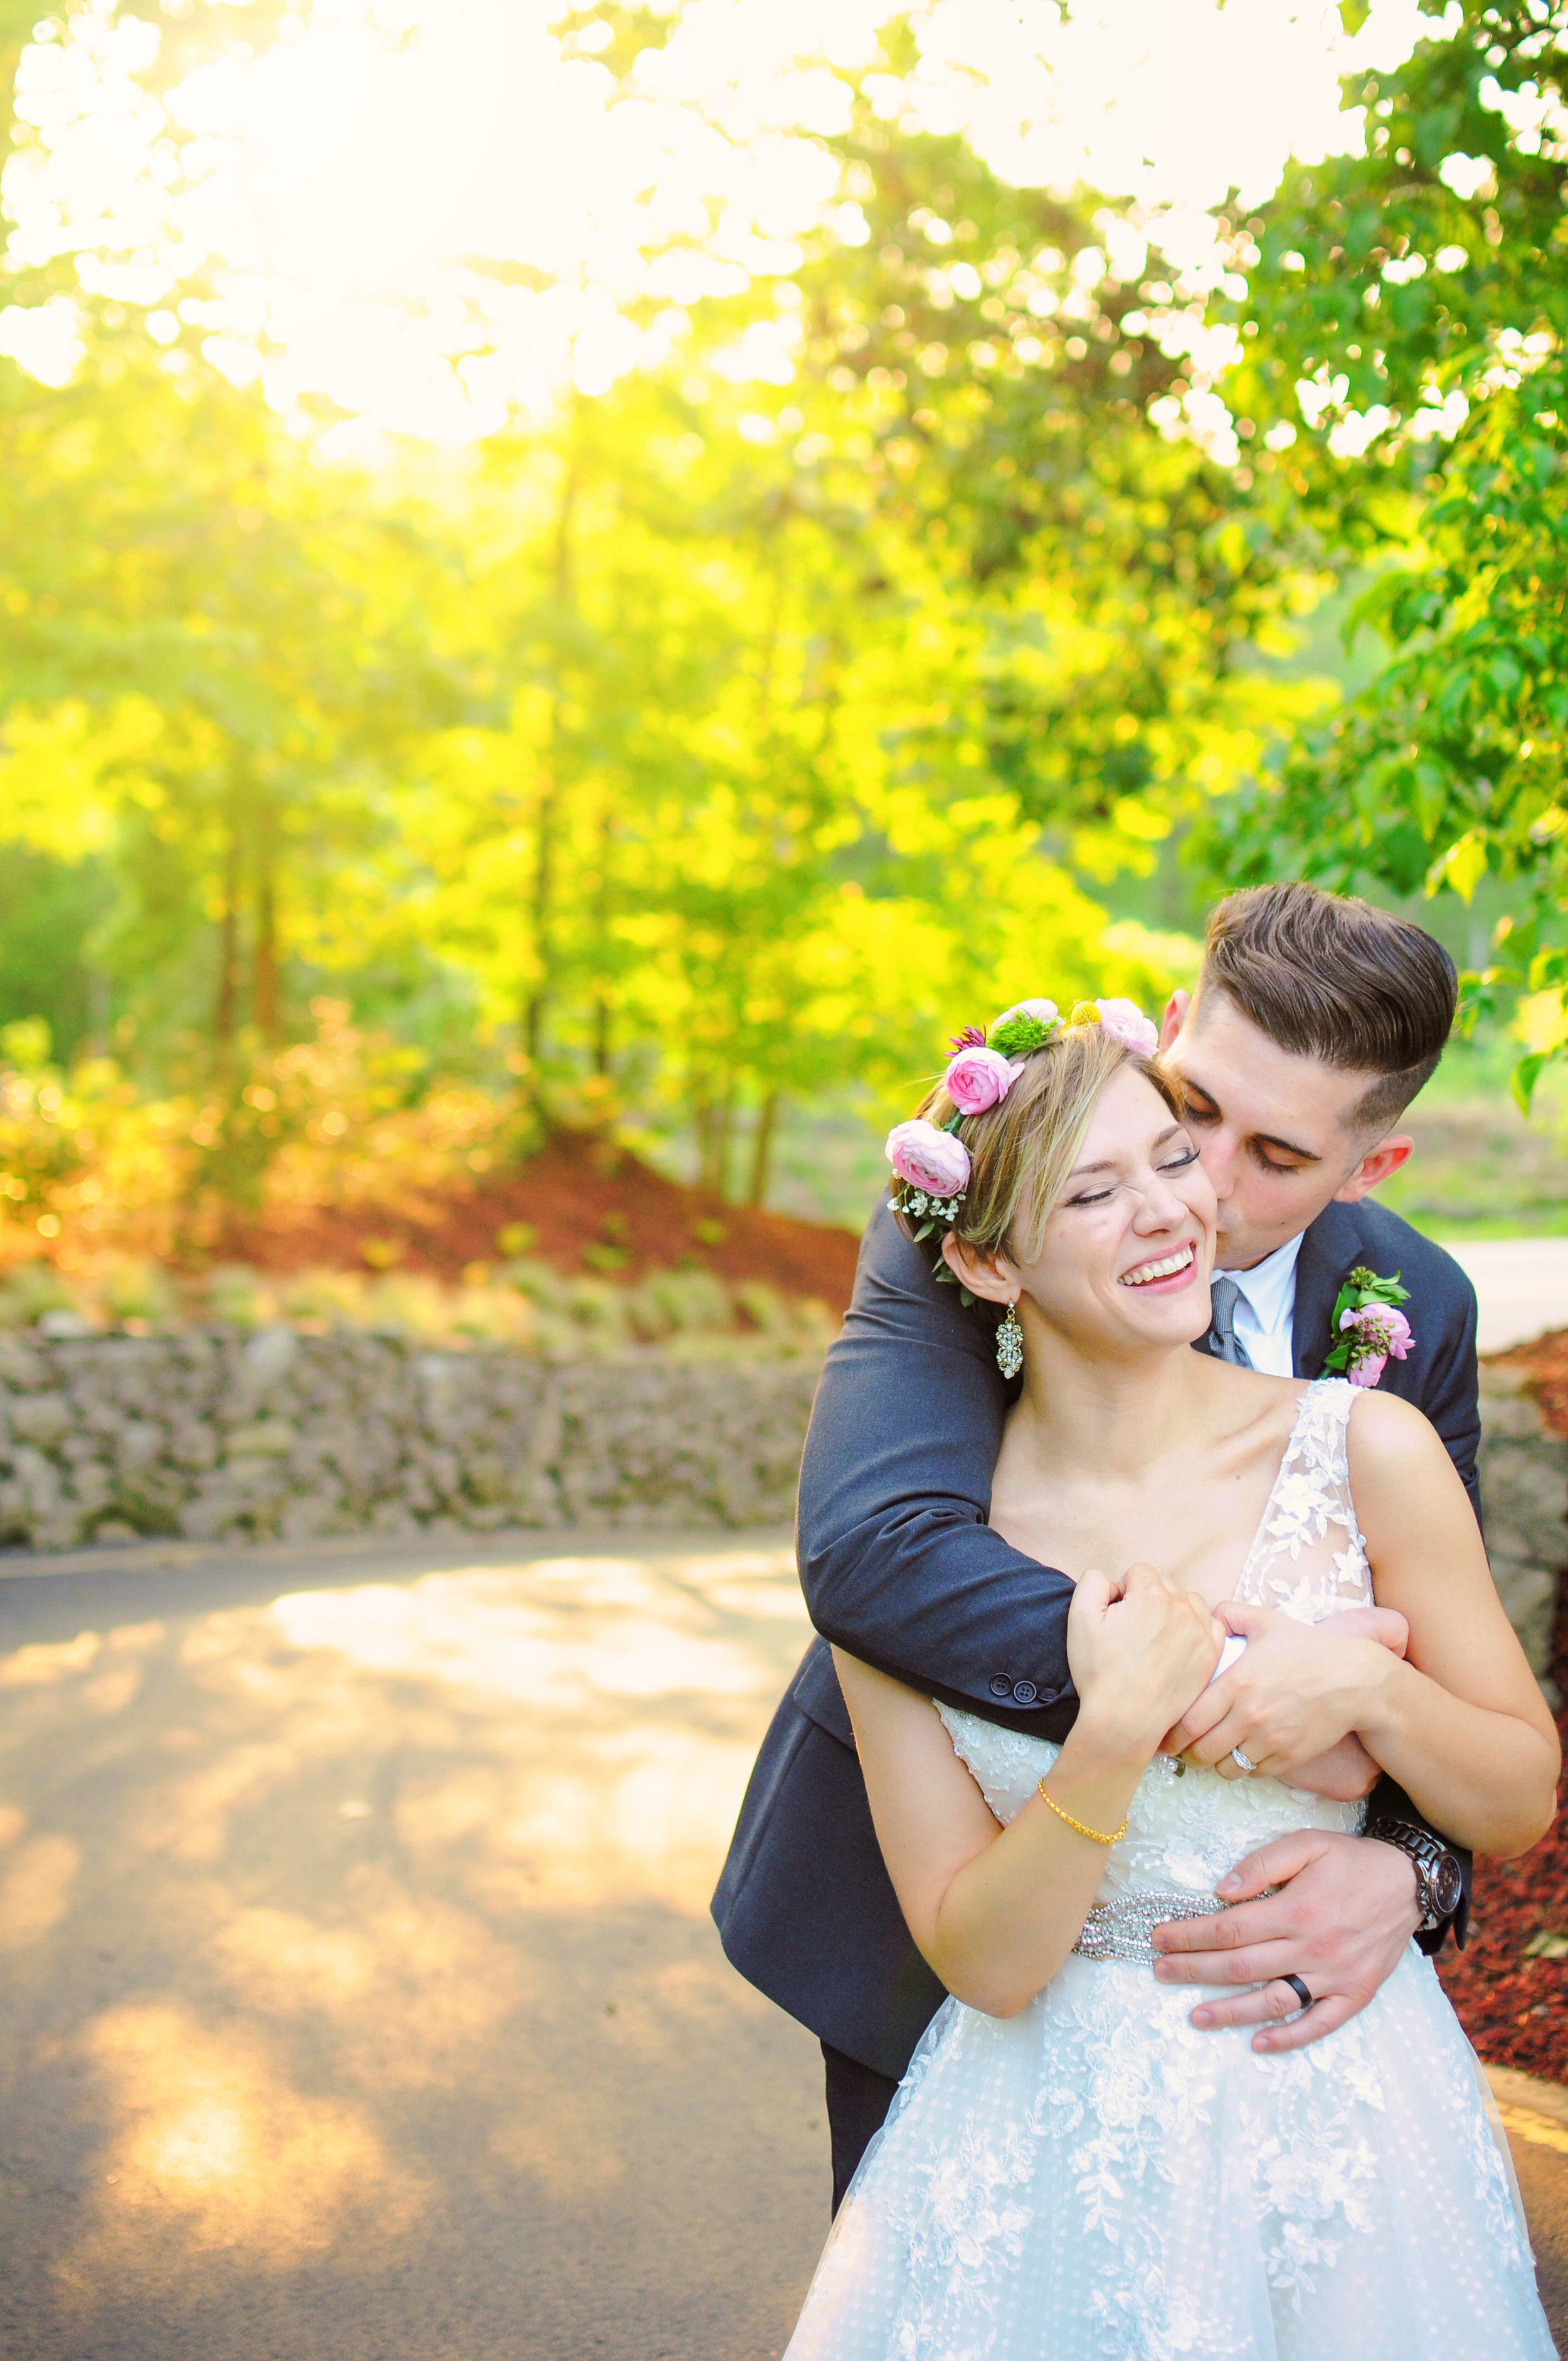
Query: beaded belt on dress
x: 1121, y: 1930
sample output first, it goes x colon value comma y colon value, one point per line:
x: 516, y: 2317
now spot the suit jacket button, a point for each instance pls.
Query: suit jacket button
x: 1025, y: 1692
x: 1001, y: 1685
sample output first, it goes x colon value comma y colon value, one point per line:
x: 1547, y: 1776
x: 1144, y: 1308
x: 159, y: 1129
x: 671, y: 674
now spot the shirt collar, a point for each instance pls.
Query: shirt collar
x: 1269, y: 1284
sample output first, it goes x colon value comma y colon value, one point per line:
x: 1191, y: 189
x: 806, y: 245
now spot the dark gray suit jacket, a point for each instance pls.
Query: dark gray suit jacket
x: 901, y: 1569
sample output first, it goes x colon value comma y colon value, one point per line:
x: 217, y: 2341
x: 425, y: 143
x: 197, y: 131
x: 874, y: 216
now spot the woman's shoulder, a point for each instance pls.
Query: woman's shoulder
x: 1386, y: 1438
x: 1383, y: 1424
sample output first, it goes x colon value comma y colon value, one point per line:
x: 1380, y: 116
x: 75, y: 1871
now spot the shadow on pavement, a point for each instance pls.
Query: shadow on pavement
x: 362, y: 1995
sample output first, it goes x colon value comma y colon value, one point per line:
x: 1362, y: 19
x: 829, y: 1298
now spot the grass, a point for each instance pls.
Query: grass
x: 1481, y: 1169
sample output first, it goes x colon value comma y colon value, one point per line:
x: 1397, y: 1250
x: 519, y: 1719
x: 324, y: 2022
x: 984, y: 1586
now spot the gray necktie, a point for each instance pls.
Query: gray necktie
x: 1223, y: 1342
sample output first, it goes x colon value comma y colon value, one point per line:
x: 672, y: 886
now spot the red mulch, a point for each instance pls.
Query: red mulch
x: 579, y: 1193
x: 1547, y: 1360
x: 1516, y: 2010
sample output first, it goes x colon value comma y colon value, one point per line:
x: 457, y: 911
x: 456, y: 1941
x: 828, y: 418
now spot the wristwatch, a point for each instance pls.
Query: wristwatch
x: 1439, y: 1881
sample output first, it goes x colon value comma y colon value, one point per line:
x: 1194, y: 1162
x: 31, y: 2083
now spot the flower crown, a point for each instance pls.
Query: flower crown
x: 930, y: 1165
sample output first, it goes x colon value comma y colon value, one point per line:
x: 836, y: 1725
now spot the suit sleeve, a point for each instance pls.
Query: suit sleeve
x: 1451, y: 1390
x: 898, y: 1562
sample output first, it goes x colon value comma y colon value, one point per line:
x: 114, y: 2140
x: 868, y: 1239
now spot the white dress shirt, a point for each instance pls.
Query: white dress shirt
x: 1266, y: 1309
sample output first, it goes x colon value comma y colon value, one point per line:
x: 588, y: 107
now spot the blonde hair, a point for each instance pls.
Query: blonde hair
x: 1022, y: 1151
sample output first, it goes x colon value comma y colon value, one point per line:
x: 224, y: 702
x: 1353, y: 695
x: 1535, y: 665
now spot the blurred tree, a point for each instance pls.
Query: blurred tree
x: 49, y: 911
x: 891, y: 553
x: 208, y: 651
x: 997, y: 346
x: 1408, y: 371
x: 736, y: 733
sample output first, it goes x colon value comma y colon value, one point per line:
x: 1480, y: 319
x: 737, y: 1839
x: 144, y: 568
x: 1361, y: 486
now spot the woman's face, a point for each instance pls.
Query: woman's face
x: 1127, y: 1252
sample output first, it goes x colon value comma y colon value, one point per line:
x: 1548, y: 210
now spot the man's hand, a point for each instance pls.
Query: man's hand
x: 1342, y: 1922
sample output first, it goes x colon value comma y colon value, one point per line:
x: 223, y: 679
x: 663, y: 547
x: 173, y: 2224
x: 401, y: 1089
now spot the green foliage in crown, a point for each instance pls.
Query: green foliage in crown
x: 1015, y: 1034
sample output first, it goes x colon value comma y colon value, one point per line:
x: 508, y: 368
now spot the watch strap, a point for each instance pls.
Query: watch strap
x: 1388, y: 1805
x: 1425, y: 1851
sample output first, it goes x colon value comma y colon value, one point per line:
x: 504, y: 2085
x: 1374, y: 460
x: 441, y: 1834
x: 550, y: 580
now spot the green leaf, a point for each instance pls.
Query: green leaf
x: 1525, y: 1075
x: 1353, y: 14
x: 1430, y: 798
x: 1463, y: 866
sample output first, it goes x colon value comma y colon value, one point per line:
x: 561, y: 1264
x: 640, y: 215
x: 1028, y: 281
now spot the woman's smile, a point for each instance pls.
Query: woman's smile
x: 1166, y: 1274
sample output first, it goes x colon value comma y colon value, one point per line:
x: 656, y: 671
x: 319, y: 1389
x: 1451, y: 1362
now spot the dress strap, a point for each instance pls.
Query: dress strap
x: 1309, y: 1556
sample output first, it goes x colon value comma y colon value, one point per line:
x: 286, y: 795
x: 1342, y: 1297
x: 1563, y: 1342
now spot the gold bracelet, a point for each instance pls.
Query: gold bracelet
x: 1083, y: 1829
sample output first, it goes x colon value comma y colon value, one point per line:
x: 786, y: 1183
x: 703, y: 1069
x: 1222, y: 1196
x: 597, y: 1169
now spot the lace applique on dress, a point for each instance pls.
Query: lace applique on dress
x: 1293, y: 1564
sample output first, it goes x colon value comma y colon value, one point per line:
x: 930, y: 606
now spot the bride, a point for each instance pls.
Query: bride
x: 1070, y: 2171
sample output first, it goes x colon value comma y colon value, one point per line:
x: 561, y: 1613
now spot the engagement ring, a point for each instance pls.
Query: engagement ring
x: 1243, y: 1761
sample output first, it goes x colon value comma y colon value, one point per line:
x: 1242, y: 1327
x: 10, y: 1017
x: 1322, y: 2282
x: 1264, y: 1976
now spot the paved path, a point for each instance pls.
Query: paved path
x: 361, y: 2001
x: 1521, y: 1285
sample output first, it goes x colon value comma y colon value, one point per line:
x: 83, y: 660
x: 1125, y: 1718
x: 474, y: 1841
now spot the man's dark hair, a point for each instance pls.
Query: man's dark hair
x: 1331, y: 977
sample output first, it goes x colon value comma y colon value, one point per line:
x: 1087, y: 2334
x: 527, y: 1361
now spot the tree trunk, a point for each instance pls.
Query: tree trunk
x: 720, y: 1125
x: 549, y: 807
x: 226, y: 1002
x: 602, y: 1014
x: 265, y: 1008
x: 702, y: 1131
x: 542, y: 899
x: 762, y: 1147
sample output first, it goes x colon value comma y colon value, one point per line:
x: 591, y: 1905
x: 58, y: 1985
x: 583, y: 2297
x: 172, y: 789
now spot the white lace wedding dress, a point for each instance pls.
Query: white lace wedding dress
x: 1095, y: 2181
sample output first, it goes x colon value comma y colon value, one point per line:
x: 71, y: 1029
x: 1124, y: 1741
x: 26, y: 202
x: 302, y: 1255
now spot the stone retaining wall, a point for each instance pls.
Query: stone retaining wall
x: 217, y: 1435
x: 1524, y: 1498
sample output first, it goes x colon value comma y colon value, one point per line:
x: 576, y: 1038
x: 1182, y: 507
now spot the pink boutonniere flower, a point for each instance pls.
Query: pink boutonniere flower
x: 1381, y: 1333
x: 1370, y: 1329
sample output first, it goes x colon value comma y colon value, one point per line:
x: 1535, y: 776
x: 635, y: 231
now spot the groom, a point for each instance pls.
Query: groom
x: 1315, y: 1022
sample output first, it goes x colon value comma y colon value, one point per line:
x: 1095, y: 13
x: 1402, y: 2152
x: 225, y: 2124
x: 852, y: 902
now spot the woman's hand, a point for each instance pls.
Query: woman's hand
x: 1346, y: 1772
x: 1299, y: 1690
x: 1140, y: 1650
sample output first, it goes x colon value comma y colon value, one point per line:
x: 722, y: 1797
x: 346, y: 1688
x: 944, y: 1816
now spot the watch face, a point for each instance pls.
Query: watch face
x: 1446, y: 1884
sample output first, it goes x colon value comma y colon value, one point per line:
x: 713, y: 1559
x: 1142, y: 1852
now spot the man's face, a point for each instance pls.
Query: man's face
x: 1271, y: 1126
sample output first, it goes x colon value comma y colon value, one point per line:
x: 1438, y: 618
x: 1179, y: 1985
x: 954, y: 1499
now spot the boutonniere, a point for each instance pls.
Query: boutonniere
x: 1370, y: 1326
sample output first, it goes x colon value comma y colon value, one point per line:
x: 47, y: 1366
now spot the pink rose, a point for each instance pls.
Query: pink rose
x: 1125, y: 1022
x: 1368, y: 1372
x: 928, y: 1159
x: 977, y: 1079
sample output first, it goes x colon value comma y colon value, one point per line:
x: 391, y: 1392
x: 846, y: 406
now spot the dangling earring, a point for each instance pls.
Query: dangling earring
x: 1010, y: 1345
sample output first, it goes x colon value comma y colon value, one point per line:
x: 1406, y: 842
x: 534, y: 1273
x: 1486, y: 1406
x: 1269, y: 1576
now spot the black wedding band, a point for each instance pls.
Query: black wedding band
x: 1299, y: 1989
